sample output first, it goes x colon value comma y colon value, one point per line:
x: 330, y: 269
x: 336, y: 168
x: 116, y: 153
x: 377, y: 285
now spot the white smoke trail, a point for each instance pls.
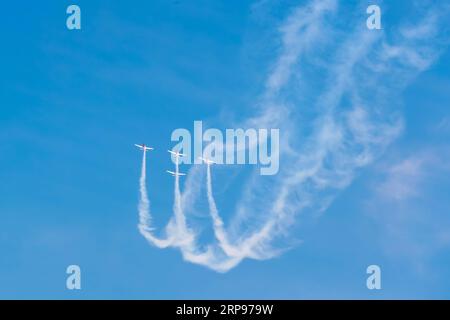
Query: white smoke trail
x: 218, y: 224
x: 180, y: 230
x: 144, y: 225
x: 178, y: 233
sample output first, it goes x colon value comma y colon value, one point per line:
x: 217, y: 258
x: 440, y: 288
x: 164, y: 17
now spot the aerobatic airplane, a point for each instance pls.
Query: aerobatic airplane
x: 176, y: 154
x: 174, y: 174
x: 207, y: 161
x: 143, y: 147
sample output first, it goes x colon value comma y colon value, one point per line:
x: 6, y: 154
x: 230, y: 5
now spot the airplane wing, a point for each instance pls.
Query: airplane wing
x: 175, y: 174
x: 206, y: 160
x: 177, y: 154
x: 143, y: 147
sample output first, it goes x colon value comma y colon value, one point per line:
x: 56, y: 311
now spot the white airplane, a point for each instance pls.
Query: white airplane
x: 176, y: 154
x: 143, y: 147
x: 207, y: 161
x: 174, y: 174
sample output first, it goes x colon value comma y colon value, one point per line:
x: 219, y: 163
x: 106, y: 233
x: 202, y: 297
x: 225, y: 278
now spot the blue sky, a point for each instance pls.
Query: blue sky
x: 366, y: 112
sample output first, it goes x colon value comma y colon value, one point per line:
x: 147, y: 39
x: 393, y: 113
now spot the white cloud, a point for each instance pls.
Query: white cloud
x: 404, y: 179
x: 411, y: 215
x: 444, y: 125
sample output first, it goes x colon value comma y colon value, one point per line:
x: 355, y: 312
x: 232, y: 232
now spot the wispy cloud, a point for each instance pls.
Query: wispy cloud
x: 404, y: 179
x: 406, y: 206
x: 347, y: 116
x: 444, y: 125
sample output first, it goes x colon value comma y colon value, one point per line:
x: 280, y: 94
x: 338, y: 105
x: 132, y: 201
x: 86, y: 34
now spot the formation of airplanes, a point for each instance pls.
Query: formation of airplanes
x: 144, y: 148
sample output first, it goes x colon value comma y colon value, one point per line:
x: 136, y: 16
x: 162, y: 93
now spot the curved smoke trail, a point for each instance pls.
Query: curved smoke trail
x: 218, y: 225
x: 144, y: 225
x: 183, y: 234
